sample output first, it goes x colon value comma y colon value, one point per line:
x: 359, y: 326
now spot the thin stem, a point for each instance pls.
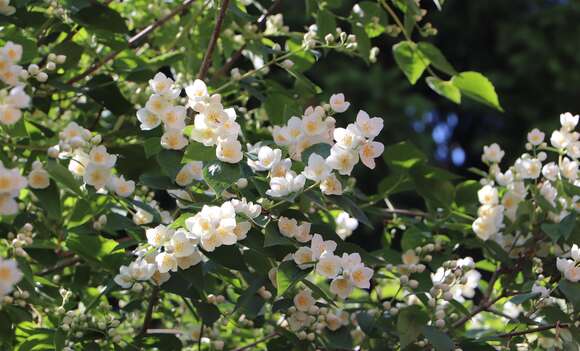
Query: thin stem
x: 213, y: 40
x: 533, y: 330
x: 152, y: 302
x: 60, y: 265
x: 483, y: 307
x: 135, y: 41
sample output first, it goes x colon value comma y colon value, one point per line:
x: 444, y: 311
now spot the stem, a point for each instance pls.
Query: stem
x: 134, y: 42
x: 60, y: 265
x: 481, y: 308
x: 533, y: 330
x: 213, y: 41
x: 152, y: 302
x: 249, y: 346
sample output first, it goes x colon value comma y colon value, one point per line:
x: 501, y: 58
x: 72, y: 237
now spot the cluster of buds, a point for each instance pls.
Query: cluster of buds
x: 18, y: 298
x: 23, y: 238
x: 40, y: 73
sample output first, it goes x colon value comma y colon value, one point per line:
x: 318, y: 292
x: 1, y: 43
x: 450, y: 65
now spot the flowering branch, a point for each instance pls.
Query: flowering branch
x: 213, y: 41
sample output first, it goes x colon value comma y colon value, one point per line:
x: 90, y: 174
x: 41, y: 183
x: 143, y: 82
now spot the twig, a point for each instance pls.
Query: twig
x: 152, y: 302
x: 533, y: 330
x: 134, y: 42
x: 266, y: 338
x: 483, y: 307
x: 213, y: 40
x: 60, y: 265
x: 238, y: 54
x: 405, y: 212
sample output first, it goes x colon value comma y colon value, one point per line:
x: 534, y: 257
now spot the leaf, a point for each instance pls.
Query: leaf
x: 521, y: 298
x: 152, y: 146
x: 477, y: 87
x: 59, y: 339
x: 49, y: 199
x: 445, y: 89
x: 321, y: 149
x: 104, y: 90
x: 373, y: 18
x: 96, y: 249
x: 436, y: 58
x: 339, y: 339
x: 561, y: 230
x: 228, y: 256
x: 403, y: 155
x: 220, y: 176
x: 273, y: 237
x: 326, y: 23
x: 287, y: 275
x: 157, y: 181
x: 572, y: 292
x: 98, y: 16
x: 198, y: 152
x: 410, y: 60
x: 439, y: 340
x: 63, y: 176
x: 410, y: 323
x: 170, y: 162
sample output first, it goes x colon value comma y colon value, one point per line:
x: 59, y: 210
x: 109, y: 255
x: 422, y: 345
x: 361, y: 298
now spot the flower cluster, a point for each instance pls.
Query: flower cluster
x: 16, y: 99
x: 533, y: 175
x: 9, y: 275
x: 11, y: 182
x: 170, y: 249
x: 10, y: 71
x: 570, y: 267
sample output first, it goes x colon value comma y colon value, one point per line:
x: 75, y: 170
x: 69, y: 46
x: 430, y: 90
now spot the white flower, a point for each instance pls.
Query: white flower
x: 317, y: 169
x: 281, y: 135
x: 280, y: 169
x: 345, y: 225
x: 409, y: 257
x: 122, y: 187
x: 549, y: 192
x: 161, y: 84
x: 229, y: 151
x: 303, y: 232
x: 528, y: 168
x: 166, y: 262
x: 173, y: 139
x: 159, y: 235
x: 249, y: 209
x: 348, y: 138
x: 312, y: 124
x: 504, y: 179
x: 142, y: 217
x: 241, y: 230
x: 287, y: 226
x: 38, y: 178
x: 100, y: 157
x: 370, y: 127
x: 369, y: 151
x: 560, y: 139
x: 174, y: 117
x: 304, y: 300
x: 6, y: 9
x: 342, y: 160
x: 267, y: 157
x: 361, y: 276
x: 9, y: 114
x: 331, y: 185
x: 569, y: 269
x: 157, y: 104
x: 538, y: 289
x: 148, y: 119
x: 568, y: 121
x: 328, y: 265
x: 575, y: 253
x: 485, y: 227
x: 492, y: 153
x: 488, y: 195
x: 196, y: 92
x: 319, y: 245
x: 18, y: 98
x: 536, y: 137
x: 550, y: 171
x: 97, y: 176
x: 303, y: 257
x: 341, y: 286
x: 282, y: 186
x: 11, y: 182
x: 215, y: 226
x: 11, y: 51
x: 191, y: 260
x: 9, y: 275
x: 350, y: 261
x: 181, y: 245
x: 8, y: 206
x: 569, y: 169
x: 338, y: 103
x: 190, y: 171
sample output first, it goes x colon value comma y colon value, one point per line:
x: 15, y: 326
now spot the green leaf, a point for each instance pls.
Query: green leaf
x: 104, y: 90
x: 287, y: 275
x: 410, y: 323
x: 96, y: 249
x: 339, y: 339
x: 273, y: 237
x: 220, y: 176
x: 63, y: 176
x: 170, y: 162
x: 97, y: 16
x: 228, y: 256
x: 521, y: 298
x: 49, y: 199
x: 445, y: 89
x: 373, y: 18
x: 322, y: 149
x: 439, y: 340
x: 157, y: 181
x: 326, y: 23
x: 59, y: 339
x: 279, y: 107
x: 572, y: 292
x: 436, y: 58
x: 152, y: 146
x: 362, y: 40
x: 410, y: 60
x: 198, y: 152
x: 562, y: 230
x: 403, y: 155
x: 346, y: 204
x: 477, y: 87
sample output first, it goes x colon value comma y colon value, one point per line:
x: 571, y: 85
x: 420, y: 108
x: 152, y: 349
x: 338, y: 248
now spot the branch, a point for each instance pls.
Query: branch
x: 249, y: 346
x: 483, y: 307
x: 238, y: 54
x: 60, y: 265
x: 533, y: 330
x: 152, y: 302
x: 213, y: 41
x: 135, y: 41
